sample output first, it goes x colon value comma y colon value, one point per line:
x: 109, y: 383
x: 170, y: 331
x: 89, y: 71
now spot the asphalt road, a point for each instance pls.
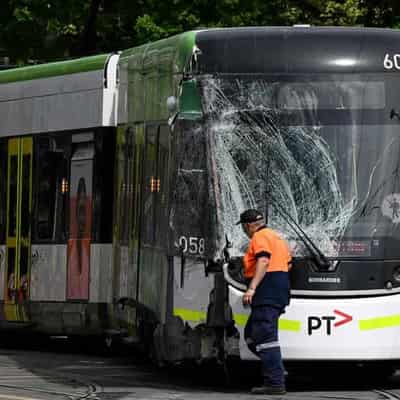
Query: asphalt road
x: 65, y: 372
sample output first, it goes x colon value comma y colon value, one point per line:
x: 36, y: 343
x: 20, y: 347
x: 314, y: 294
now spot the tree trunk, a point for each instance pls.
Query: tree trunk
x: 89, y: 40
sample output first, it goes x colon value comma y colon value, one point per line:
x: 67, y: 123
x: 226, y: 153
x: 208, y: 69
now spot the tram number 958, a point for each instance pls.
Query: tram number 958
x: 391, y: 61
x: 192, y: 245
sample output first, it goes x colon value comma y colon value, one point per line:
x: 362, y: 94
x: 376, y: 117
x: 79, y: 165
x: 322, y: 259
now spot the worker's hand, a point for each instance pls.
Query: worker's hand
x: 248, y: 297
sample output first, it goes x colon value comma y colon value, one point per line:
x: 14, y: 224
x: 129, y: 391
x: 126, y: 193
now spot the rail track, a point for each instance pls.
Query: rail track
x: 388, y: 394
x: 35, y: 375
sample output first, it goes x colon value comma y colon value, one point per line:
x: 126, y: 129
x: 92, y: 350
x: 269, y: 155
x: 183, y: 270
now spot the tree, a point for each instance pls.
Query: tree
x: 41, y: 29
x: 46, y: 30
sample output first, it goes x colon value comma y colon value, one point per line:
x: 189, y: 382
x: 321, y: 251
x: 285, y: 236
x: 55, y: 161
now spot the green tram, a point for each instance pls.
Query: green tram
x: 122, y: 176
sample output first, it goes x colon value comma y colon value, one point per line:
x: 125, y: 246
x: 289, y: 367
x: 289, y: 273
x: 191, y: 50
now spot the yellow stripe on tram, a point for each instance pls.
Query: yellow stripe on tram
x: 379, y: 322
x: 289, y: 325
x: 283, y: 324
x: 190, y: 315
x: 240, y: 319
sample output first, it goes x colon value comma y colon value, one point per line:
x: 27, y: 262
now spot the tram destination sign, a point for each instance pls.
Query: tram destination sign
x: 354, y: 248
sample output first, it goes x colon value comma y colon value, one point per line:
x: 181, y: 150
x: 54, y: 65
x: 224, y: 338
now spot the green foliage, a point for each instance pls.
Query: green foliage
x: 147, y: 30
x: 40, y: 29
x: 45, y: 30
x: 348, y: 12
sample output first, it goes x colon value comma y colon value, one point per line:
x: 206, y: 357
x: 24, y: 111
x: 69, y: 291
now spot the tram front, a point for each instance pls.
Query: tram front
x: 312, y: 138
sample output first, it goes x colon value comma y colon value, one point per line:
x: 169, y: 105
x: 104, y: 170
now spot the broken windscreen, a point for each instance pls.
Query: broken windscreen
x: 322, y: 149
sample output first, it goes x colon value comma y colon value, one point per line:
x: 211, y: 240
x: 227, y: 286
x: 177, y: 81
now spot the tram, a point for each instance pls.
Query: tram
x: 122, y: 176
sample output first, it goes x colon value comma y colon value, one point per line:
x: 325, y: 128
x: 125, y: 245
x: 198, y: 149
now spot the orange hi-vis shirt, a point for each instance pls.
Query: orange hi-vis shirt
x: 267, y: 243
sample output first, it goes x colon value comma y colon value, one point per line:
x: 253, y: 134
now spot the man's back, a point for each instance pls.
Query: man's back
x: 274, y: 288
x: 266, y: 242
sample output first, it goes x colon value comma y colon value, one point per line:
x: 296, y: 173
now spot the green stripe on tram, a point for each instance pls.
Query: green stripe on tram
x: 240, y: 319
x: 49, y: 70
x: 379, y: 322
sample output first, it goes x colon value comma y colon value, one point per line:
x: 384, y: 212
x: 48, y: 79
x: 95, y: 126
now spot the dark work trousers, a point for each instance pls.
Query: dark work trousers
x: 261, y: 335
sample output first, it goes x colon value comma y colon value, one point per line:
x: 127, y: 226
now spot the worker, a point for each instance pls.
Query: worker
x: 266, y: 265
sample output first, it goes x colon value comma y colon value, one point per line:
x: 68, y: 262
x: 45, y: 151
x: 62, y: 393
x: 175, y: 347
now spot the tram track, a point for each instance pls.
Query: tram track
x: 387, y: 394
x: 87, y: 390
x: 90, y: 394
x: 42, y: 376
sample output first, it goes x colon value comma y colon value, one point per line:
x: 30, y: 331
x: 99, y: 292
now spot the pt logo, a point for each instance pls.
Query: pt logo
x: 326, y: 322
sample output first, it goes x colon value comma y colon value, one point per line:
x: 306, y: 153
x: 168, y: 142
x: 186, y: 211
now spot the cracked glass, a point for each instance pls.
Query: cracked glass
x: 322, y: 150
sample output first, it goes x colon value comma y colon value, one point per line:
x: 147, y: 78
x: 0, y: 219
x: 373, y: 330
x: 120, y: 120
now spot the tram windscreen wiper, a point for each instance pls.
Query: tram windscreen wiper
x: 317, y: 255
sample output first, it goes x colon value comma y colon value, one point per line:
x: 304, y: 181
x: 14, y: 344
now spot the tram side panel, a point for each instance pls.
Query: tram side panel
x: 126, y: 226
x: 141, y: 266
x: 154, y: 265
x: 157, y: 270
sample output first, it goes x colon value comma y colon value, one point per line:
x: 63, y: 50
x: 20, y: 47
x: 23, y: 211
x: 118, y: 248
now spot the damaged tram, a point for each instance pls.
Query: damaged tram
x: 303, y: 124
x: 122, y: 177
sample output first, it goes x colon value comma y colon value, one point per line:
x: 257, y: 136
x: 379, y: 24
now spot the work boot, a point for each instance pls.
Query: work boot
x: 272, y: 390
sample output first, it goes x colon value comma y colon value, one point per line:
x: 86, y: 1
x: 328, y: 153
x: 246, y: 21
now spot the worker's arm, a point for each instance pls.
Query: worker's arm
x: 261, y: 270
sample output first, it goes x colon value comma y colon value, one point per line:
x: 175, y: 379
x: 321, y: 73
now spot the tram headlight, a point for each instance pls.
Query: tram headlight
x: 172, y: 104
x: 396, y: 274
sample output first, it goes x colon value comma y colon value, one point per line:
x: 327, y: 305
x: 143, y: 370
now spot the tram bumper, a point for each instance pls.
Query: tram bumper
x: 332, y: 329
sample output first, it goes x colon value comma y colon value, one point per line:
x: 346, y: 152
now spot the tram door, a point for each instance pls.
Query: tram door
x: 80, y: 224
x: 18, y: 237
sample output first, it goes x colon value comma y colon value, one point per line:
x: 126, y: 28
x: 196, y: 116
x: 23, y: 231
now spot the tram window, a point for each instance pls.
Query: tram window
x: 122, y: 190
x: 131, y: 181
x: 137, y: 168
x: 190, y: 201
x: 3, y: 190
x: 26, y: 175
x: 162, y: 186
x: 149, y: 185
x: 10, y: 294
x: 103, y: 186
x: 13, y: 186
x: 51, y: 177
x: 129, y: 193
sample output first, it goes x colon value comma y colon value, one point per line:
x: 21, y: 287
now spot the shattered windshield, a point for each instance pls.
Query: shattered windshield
x: 322, y: 150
